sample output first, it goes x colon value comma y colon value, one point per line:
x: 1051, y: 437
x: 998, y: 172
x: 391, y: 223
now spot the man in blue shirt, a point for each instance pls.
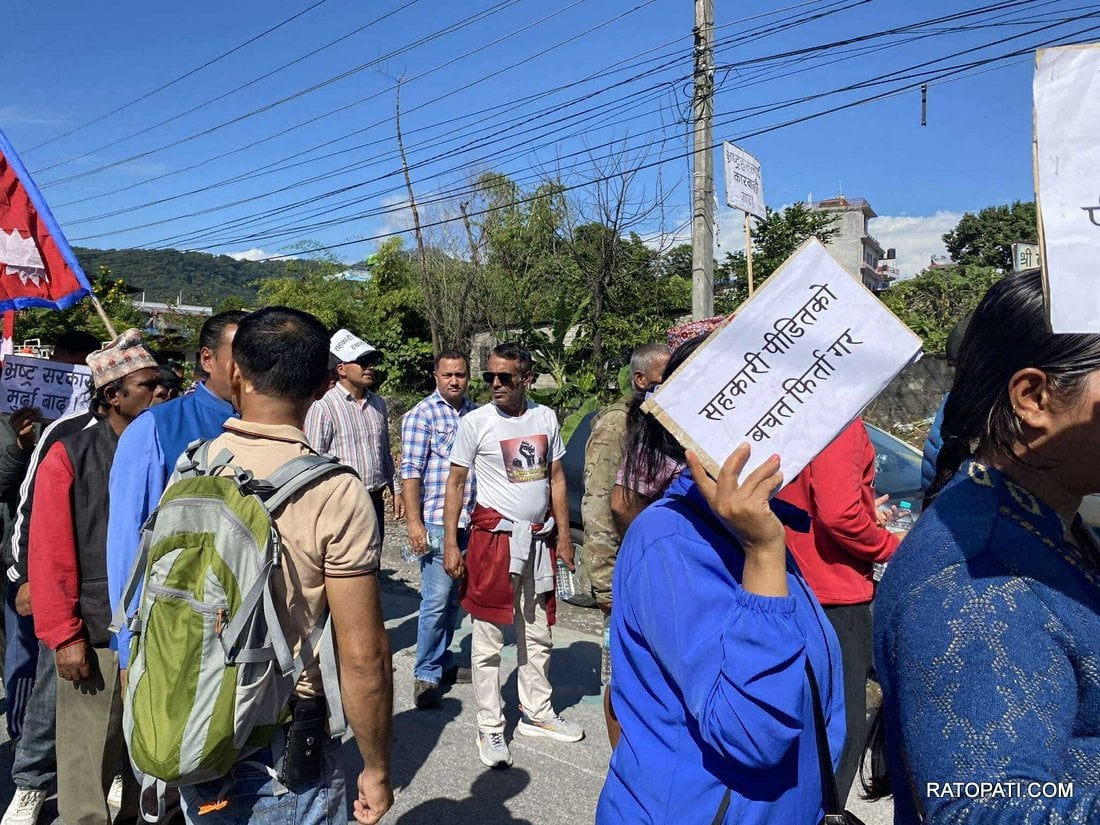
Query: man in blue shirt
x: 151, y: 445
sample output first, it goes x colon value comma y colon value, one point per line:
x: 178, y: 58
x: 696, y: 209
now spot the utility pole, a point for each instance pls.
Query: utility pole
x: 702, y: 182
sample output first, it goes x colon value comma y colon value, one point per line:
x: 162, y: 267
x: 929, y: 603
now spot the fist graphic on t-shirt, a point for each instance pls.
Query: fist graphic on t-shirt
x: 525, y: 458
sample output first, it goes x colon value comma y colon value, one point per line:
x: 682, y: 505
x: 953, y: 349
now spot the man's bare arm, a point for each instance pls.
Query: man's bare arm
x: 366, y: 684
x: 452, y: 509
x: 418, y: 534
x: 559, y: 506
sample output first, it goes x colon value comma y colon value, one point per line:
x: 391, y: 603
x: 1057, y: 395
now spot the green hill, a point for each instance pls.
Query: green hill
x: 165, y: 274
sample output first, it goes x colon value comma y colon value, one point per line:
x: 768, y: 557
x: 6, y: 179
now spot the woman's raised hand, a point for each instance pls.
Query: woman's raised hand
x: 745, y: 506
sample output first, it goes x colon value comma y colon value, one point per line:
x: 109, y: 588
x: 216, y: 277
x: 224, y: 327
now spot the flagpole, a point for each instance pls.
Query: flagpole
x: 103, y: 316
x: 748, y: 252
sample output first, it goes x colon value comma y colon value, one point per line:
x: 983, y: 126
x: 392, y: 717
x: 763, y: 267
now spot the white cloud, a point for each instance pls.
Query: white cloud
x: 915, y: 238
x: 253, y: 254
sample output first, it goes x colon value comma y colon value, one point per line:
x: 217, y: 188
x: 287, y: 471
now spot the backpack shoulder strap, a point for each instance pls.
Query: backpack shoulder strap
x: 295, y: 475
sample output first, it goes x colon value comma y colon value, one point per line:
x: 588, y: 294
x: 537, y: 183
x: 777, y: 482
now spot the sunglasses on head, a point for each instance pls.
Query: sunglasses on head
x: 506, y: 379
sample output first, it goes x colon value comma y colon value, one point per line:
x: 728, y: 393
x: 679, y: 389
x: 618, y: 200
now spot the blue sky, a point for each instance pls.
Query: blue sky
x: 72, y: 63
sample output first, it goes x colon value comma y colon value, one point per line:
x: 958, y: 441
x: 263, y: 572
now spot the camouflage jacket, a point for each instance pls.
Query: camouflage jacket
x: 602, y: 455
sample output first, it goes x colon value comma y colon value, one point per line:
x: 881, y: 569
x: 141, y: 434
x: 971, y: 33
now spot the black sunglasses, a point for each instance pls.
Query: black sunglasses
x: 506, y: 379
x: 368, y: 361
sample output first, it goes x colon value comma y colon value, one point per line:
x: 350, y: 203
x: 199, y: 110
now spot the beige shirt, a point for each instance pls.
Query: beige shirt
x: 328, y: 529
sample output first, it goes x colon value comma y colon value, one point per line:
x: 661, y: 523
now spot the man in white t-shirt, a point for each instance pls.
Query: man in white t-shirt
x: 514, y: 448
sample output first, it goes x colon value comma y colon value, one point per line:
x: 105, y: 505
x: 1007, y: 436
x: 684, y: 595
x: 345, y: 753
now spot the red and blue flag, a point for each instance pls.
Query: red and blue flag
x: 37, y: 265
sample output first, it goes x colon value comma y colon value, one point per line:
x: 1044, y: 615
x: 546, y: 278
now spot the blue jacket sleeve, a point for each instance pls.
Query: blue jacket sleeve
x: 984, y: 696
x: 138, y: 477
x: 739, y: 664
x: 932, y: 446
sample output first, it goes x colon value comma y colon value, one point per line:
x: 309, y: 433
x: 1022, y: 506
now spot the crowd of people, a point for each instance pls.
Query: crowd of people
x: 742, y: 612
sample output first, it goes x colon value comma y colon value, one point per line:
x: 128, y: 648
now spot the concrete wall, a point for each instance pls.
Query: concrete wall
x: 906, y: 407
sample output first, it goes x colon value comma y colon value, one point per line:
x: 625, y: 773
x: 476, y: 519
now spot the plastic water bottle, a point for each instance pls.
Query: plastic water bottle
x: 563, y: 580
x: 605, y: 659
x: 903, y: 522
x: 410, y: 556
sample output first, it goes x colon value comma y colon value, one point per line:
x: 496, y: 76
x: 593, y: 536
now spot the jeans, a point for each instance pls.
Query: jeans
x: 435, y: 629
x: 34, y: 765
x: 20, y: 662
x: 252, y: 798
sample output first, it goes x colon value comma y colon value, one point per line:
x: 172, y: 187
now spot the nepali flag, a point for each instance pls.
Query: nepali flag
x: 37, y: 266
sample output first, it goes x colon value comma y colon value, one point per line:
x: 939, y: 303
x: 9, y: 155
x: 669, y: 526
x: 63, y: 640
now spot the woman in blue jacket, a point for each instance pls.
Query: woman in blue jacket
x: 712, y: 630
x: 987, y: 622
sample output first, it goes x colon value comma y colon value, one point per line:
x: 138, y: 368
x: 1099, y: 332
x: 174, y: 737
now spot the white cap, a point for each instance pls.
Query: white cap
x: 347, y: 346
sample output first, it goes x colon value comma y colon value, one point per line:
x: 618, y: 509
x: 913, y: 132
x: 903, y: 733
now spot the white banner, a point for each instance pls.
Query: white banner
x: 744, y: 184
x: 800, y: 361
x: 56, y: 389
x: 1067, y: 183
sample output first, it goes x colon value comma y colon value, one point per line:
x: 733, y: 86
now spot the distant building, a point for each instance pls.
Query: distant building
x: 853, y: 246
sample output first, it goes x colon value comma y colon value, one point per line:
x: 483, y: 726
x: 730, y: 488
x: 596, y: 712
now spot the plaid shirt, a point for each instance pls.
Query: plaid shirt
x: 427, y: 434
x: 356, y: 432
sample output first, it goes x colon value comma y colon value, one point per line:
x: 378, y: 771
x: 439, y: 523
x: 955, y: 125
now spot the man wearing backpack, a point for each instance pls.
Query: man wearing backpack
x: 330, y: 554
x: 67, y: 564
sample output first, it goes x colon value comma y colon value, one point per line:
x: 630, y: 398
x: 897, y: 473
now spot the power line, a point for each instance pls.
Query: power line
x: 784, y: 25
x: 502, y: 4
x: 176, y: 80
x: 314, y: 199
x: 942, y: 75
x: 781, y: 26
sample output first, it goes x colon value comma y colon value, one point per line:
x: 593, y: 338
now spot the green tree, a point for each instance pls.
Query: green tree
x: 986, y: 239
x: 773, y: 240
x: 933, y: 302
x: 48, y: 324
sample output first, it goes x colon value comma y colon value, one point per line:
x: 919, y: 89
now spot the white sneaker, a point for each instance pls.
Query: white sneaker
x: 24, y: 807
x: 553, y: 728
x: 114, y: 795
x: 493, y: 750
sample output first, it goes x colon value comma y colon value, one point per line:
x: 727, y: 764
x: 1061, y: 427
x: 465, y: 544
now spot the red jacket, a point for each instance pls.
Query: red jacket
x: 844, y: 542
x: 486, y: 591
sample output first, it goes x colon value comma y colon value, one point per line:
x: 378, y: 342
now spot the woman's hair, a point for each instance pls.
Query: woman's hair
x: 1007, y: 333
x: 647, y: 443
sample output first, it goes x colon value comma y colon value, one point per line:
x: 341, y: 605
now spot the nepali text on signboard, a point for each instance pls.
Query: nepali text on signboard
x: 744, y: 184
x: 798, y: 363
x: 56, y: 389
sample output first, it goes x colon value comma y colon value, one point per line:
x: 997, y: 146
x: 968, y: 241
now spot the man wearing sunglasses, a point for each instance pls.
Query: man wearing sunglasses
x: 350, y: 422
x: 514, y: 449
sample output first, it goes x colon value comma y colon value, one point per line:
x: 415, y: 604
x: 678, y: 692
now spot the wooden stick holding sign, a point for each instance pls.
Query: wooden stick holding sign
x: 799, y: 362
x: 748, y: 252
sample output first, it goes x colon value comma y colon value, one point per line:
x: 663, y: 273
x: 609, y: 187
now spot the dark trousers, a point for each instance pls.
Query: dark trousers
x: 852, y: 623
x: 379, y: 502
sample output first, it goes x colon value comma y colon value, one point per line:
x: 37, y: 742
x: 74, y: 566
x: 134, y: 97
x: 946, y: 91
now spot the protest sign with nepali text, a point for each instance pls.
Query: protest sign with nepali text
x: 796, y: 365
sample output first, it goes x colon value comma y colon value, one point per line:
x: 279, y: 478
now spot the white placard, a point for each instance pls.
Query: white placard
x: 1067, y: 183
x: 744, y: 184
x: 56, y: 389
x: 1026, y: 256
x: 800, y: 361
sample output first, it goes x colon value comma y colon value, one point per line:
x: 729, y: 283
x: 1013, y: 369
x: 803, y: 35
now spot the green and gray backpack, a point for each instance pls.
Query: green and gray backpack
x: 211, y: 673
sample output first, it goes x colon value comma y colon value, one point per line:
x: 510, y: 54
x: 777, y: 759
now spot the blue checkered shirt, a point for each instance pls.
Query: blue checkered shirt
x: 427, y: 434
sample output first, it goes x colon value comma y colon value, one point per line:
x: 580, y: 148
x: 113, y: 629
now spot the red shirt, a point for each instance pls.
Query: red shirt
x: 838, y: 554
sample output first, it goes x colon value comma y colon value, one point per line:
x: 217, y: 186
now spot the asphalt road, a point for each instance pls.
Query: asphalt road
x: 438, y: 779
